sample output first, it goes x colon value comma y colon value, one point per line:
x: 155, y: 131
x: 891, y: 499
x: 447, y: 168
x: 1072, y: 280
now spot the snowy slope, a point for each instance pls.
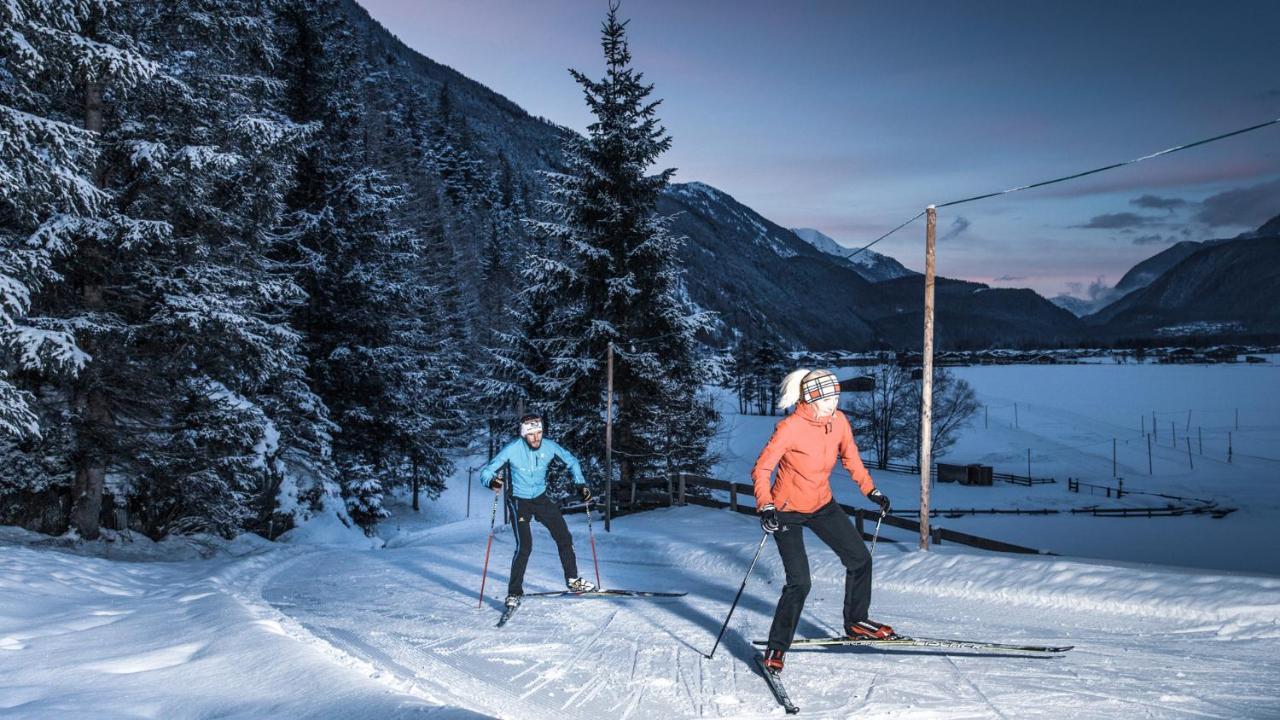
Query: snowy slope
x: 340, y: 631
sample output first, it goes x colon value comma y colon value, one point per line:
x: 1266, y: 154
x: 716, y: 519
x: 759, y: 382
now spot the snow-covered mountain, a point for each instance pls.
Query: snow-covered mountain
x: 868, y: 263
x: 764, y: 280
x: 1229, y: 288
x: 1074, y: 305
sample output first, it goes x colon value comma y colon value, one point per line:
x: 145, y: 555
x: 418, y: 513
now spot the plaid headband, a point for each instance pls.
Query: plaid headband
x: 529, y: 427
x: 823, y: 386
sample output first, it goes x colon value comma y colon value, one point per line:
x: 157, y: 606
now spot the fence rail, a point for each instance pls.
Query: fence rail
x: 1024, y: 480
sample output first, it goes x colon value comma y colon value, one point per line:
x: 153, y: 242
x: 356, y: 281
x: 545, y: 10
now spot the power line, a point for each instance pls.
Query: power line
x: 1074, y: 176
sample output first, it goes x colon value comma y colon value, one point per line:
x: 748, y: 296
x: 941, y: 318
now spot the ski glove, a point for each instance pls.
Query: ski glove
x: 880, y: 499
x: 769, y: 519
x: 586, y: 493
x: 495, y: 484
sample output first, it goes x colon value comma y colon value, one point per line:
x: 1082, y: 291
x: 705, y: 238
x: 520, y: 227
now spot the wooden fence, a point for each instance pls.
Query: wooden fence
x: 1024, y: 480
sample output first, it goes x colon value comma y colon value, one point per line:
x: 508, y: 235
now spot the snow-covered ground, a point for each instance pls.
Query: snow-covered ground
x: 336, y: 626
x: 300, y: 630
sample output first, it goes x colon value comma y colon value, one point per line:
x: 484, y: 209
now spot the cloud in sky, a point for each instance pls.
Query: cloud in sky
x: 1117, y: 221
x: 1150, y: 239
x: 1098, y: 291
x: 1010, y: 278
x: 1247, y: 206
x: 1155, y: 202
x: 958, y: 226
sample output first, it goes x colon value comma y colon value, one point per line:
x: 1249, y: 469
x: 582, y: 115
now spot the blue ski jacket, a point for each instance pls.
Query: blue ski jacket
x: 529, y: 467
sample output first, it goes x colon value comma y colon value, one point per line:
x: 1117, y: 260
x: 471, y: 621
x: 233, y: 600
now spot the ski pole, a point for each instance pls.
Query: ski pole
x: 738, y: 597
x: 493, y: 516
x: 876, y: 536
x: 591, y: 534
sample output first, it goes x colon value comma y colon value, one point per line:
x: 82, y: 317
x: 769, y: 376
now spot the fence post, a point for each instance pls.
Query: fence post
x: 733, y: 496
x: 682, y: 484
x: 671, y: 498
x: 1120, y: 489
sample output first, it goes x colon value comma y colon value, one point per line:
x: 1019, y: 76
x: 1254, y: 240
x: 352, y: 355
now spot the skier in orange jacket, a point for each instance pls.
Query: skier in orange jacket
x: 804, y: 448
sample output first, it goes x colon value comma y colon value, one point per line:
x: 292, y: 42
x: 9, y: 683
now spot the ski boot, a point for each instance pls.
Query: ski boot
x: 579, y: 585
x: 868, y: 630
x: 773, y: 661
x: 513, y: 601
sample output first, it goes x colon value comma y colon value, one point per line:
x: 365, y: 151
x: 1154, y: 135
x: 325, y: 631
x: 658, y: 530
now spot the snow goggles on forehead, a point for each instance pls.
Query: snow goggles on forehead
x: 815, y: 389
x: 529, y: 427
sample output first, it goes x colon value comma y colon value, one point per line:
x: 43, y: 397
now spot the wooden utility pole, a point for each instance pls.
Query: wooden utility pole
x: 926, y: 374
x: 608, y: 446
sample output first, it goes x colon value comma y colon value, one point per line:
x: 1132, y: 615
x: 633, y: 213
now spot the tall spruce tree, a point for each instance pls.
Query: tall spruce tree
x: 377, y: 321
x: 609, y: 275
x: 190, y: 402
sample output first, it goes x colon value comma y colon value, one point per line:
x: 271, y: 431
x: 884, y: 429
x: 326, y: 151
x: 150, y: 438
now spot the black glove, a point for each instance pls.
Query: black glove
x: 880, y: 499
x: 495, y: 483
x: 769, y: 519
x: 586, y: 493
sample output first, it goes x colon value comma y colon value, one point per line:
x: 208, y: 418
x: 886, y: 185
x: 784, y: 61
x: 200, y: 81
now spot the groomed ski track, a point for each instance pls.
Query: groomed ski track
x: 406, y: 615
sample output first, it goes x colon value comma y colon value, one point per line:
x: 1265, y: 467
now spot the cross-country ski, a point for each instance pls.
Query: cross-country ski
x: 905, y: 641
x: 607, y: 593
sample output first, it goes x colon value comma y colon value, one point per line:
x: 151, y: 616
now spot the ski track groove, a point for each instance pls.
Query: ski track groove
x: 965, y: 679
x: 559, y: 668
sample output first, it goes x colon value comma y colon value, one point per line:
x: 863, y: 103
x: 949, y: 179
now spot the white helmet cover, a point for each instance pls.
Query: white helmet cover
x: 818, y: 385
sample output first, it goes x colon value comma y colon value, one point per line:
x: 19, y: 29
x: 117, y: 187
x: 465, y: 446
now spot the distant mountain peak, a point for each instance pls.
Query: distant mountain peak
x: 868, y: 263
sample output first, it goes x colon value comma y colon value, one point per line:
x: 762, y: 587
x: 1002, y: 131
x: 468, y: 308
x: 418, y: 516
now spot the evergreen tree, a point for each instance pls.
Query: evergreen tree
x: 48, y: 188
x: 379, y: 317
x: 609, y: 275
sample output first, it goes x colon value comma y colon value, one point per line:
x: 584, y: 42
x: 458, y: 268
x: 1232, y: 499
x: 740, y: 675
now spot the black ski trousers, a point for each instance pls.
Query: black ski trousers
x: 546, y: 512
x: 833, y: 527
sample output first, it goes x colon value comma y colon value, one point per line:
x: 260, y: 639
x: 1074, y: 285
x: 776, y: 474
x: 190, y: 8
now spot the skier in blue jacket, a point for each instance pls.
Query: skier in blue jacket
x: 528, y: 458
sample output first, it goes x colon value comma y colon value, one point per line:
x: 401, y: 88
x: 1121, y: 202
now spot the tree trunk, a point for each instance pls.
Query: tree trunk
x: 91, y: 466
x: 417, y: 483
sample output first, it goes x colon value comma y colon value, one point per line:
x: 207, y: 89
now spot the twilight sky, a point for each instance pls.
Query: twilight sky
x: 850, y: 117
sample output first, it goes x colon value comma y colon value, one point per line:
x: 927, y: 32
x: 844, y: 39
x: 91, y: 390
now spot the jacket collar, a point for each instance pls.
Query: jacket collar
x: 806, y: 411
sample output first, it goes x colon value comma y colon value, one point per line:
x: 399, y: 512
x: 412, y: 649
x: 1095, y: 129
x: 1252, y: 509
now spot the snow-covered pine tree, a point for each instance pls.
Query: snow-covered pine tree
x: 58, y: 62
x: 376, y: 321
x: 189, y: 401
x: 610, y: 275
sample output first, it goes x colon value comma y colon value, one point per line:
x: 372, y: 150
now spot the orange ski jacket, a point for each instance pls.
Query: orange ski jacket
x: 804, y: 449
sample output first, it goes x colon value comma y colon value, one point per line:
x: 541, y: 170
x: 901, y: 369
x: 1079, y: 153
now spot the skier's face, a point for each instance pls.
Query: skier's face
x: 826, y: 406
x: 534, y: 439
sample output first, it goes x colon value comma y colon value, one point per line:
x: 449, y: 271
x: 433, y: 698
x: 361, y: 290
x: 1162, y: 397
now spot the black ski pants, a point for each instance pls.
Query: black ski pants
x: 546, y: 512
x: 833, y: 527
